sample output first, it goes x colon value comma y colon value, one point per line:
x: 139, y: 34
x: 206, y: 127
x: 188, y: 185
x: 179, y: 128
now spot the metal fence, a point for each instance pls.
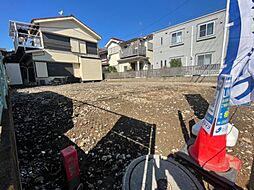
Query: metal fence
x: 3, y: 88
x: 203, y: 70
x: 133, y: 51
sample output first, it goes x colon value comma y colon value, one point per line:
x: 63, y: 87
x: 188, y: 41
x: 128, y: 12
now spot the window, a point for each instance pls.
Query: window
x: 165, y: 63
x: 82, y: 47
x: 161, y: 40
x: 161, y: 63
x: 60, y: 69
x: 206, y: 30
x: 176, y: 38
x: 113, y: 50
x: 91, y: 48
x: 56, y: 42
x: 205, y: 59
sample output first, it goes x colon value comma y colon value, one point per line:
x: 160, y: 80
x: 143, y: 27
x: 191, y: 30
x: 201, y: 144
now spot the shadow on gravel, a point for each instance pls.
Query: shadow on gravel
x: 41, y: 119
x: 108, y: 160
x: 185, y: 131
x: 198, y: 104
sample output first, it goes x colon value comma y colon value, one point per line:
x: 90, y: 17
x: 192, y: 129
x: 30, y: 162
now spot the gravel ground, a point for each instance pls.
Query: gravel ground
x: 110, y: 124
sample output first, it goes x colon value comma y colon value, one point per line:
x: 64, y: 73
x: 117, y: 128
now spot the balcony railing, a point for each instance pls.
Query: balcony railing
x: 132, y: 51
x: 25, y: 35
x: 104, y: 62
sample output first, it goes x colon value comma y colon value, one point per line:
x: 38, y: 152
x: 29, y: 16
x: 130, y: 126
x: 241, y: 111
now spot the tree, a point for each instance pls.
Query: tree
x: 175, y: 63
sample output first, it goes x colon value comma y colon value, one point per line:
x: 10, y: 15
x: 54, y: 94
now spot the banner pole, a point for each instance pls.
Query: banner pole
x: 226, y: 29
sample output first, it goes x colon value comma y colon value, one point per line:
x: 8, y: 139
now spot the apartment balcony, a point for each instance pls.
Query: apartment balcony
x: 25, y: 35
x: 132, y: 51
x: 105, y: 62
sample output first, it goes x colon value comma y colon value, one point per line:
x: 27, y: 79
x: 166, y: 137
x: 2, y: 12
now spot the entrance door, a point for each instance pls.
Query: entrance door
x: 133, y: 66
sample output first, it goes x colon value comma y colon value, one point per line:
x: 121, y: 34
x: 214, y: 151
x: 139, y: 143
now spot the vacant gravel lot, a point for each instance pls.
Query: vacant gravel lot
x: 111, y: 123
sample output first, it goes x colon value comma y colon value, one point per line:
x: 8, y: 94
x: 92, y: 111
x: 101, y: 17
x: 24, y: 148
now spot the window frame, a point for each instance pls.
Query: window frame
x: 204, y: 54
x: 56, y: 42
x: 90, y: 49
x: 171, y: 38
x: 206, y: 35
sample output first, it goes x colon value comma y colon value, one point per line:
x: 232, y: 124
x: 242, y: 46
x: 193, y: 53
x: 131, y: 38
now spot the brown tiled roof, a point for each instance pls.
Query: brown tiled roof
x: 117, y: 39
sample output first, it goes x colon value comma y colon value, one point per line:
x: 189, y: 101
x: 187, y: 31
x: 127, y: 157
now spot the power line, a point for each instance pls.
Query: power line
x: 158, y: 20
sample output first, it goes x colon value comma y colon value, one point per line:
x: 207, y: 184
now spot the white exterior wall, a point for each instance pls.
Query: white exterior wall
x: 113, y: 58
x: 122, y: 65
x: 191, y: 46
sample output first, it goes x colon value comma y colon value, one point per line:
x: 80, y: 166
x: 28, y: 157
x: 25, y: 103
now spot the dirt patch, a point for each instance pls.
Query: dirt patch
x: 110, y: 124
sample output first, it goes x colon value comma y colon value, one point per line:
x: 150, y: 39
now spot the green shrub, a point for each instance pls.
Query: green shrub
x: 112, y: 69
x: 175, y: 63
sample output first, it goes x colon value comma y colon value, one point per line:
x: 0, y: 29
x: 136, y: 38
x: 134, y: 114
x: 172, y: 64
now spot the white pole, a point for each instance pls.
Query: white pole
x: 225, y: 35
x: 191, y: 56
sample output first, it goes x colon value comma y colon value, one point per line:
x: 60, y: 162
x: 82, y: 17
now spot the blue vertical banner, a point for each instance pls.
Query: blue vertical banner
x: 216, y: 119
x: 239, y: 61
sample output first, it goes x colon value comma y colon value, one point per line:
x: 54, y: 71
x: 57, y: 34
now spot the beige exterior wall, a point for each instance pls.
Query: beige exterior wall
x: 68, y: 28
x: 149, y: 53
x: 90, y: 69
x: 85, y: 68
x: 74, y: 45
x: 76, y: 70
x: 56, y: 56
x: 82, y: 46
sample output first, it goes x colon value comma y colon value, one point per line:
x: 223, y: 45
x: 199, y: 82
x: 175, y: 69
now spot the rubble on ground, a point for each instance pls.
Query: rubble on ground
x: 110, y: 124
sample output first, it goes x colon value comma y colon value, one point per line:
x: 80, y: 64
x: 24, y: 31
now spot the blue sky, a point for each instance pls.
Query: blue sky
x: 109, y: 18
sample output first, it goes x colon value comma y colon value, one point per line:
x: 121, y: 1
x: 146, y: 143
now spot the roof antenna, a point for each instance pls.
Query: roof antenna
x: 61, y: 13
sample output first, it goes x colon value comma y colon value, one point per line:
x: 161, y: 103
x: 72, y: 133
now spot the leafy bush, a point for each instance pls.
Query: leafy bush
x: 112, y: 69
x: 175, y: 63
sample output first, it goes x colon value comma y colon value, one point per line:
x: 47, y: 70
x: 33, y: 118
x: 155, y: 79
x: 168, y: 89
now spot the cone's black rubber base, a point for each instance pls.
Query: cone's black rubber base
x: 224, y: 180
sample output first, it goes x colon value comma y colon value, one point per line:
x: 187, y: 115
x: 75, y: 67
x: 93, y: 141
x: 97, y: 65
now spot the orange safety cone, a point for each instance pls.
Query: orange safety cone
x: 209, y: 149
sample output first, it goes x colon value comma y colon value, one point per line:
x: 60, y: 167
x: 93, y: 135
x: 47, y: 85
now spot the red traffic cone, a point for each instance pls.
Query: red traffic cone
x: 210, y: 152
x: 209, y: 149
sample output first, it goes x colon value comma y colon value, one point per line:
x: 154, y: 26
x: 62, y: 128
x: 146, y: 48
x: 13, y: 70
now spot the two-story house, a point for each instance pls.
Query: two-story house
x: 135, y: 54
x: 195, y: 42
x: 113, y: 52
x: 56, y: 48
